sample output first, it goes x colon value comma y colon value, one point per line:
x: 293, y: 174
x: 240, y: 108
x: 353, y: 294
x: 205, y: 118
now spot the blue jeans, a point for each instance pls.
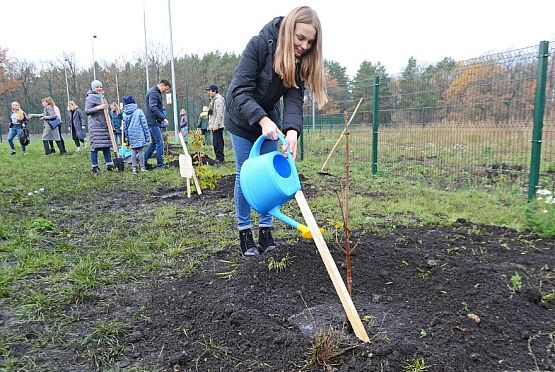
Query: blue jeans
x: 107, y: 156
x: 15, y: 131
x: 242, y: 148
x: 185, y: 132
x: 117, y: 137
x: 157, y: 143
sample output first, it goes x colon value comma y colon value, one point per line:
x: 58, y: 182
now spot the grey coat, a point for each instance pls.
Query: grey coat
x: 98, y: 128
x: 49, y: 134
x: 76, y: 119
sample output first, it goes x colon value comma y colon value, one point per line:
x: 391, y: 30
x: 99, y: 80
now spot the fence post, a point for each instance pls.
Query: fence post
x: 539, y: 106
x: 375, y: 123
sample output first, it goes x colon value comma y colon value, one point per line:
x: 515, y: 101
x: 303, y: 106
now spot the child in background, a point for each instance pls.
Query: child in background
x: 184, y: 125
x: 135, y: 131
x: 116, y: 116
x: 202, y: 124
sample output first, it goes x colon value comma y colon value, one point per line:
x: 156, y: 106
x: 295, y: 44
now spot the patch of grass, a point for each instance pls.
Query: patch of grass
x: 416, y: 365
x: 102, y: 346
x: 515, y: 285
x: 548, y: 297
x: 540, y: 218
x: 326, y: 346
x: 42, y: 224
x: 423, y: 274
x: 231, y: 269
x: 279, y: 265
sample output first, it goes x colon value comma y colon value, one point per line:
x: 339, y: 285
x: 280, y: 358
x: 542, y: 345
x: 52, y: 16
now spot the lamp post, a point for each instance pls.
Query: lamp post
x: 65, y: 75
x: 173, y: 73
x: 146, y: 51
x: 94, y: 60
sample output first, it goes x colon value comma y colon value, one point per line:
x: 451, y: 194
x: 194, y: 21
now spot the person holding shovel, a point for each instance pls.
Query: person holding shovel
x: 95, y: 106
x: 275, y: 64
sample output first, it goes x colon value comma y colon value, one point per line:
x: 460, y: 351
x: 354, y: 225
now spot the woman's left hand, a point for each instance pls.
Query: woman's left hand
x: 291, y: 138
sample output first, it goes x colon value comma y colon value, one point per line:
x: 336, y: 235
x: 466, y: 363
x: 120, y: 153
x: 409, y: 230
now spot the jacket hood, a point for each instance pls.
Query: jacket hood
x: 271, y: 30
x: 129, y: 108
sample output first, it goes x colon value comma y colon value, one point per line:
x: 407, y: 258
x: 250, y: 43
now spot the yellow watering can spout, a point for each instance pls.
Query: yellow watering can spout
x: 305, y: 231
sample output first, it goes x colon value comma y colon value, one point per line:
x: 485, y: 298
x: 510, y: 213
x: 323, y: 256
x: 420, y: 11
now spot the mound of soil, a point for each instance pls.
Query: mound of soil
x: 437, y: 295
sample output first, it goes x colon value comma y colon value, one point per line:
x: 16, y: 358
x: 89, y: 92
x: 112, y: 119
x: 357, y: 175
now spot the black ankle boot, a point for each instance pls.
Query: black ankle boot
x: 265, y: 240
x: 109, y: 167
x: 247, y: 243
x: 96, y: 169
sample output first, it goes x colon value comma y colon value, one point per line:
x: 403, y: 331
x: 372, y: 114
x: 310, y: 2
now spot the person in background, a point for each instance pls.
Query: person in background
x: 216, y: 121
x: 117, y: 117
x: 51, y: 143
x: 155, y: 118
x: 95, y: 104
x: 76, y: 125
x: 275, y: 64
x: 135, y: 131
x: 184, y: 125
x: 18, y: 121
x: 202, y: 124
x: 48, y: 133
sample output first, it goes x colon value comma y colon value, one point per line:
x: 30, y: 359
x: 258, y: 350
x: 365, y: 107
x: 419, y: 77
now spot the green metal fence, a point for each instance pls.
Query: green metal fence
x: 455, y: 124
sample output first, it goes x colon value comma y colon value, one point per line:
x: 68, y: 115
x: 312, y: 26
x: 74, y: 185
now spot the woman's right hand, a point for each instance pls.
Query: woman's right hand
x: 269, y: 128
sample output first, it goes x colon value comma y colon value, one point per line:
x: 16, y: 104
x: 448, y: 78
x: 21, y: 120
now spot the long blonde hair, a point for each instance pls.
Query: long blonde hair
x: 312, y: 62
x: 116, y: 106
x: 19, y: 112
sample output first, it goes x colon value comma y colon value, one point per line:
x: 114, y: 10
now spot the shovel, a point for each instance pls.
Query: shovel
x: 119, y: 161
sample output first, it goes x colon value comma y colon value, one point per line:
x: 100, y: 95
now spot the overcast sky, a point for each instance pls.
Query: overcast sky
x: 389, y: 31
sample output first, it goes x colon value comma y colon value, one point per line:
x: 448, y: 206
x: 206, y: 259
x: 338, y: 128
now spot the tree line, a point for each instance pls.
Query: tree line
x: 496, y: 88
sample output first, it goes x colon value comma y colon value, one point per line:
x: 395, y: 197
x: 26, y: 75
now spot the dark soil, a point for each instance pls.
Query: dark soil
x: 414, y: 288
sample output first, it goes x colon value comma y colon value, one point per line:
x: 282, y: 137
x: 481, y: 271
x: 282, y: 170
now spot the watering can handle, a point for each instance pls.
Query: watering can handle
x: 255, y: 150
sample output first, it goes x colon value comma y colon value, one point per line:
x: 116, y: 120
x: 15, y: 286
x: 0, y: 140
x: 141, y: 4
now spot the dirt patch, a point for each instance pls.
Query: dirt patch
x: 414, y: 288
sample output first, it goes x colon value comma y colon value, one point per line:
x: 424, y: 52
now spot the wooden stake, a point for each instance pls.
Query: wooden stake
x: 336, y: 279
x: 199, y: 191
x: 341, y: 136
x: 110, y: 127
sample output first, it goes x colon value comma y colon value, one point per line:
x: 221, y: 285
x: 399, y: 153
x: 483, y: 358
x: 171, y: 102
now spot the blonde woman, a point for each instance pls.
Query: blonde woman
x: 18, y: 121
x: 116, y: 116
x: 76, y: 125
x: 49, y: 133
x: 276, y: 63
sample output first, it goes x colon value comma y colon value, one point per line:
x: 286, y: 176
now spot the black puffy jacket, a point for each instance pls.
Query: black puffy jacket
x: 256, y: 89
x: 153, y: 107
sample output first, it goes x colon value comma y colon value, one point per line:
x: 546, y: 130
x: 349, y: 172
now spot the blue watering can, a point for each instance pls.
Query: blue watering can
x: 270, y: 180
